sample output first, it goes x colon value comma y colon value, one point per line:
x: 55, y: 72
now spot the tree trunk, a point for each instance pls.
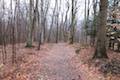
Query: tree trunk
x: 94, y: 24
x: 30, y: 30
x: 72, y: 29
x: 100, y: 51
x: 51, y: 25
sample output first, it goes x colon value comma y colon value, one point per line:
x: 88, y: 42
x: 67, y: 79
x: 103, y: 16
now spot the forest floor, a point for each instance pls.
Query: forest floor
x: 53, y: 62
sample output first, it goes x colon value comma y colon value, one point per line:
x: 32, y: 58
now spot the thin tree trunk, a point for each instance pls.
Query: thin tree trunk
x: 94, y: 24
x: 50, y: 31
x: 72, y: 27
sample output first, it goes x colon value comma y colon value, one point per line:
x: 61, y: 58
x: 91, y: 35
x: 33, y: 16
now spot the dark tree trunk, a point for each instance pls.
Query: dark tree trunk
x: 100, y: 51
x: 39, y: 42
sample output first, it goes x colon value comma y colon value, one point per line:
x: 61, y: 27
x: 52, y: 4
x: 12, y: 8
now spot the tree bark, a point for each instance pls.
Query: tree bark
x: 30, y: 27
x: 72, y: 29
x: 100, y: 51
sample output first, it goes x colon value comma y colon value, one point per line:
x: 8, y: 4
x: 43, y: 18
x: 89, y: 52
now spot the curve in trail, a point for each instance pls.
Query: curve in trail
x: 57, y: 66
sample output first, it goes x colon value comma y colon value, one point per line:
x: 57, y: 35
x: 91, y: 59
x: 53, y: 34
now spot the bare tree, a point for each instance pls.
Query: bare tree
x: 31, y: 26
x: 57, y: 20
x: 65, y: 23
x: 51, y: 25
x: 4, y: 53
x: 94, y: 24
x: 44, y: 17
x: 73, y: 22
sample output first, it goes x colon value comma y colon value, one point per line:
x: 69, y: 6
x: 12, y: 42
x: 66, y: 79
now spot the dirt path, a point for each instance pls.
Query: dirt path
x: 57, y: 66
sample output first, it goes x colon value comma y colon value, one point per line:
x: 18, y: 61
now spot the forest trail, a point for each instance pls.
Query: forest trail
x: 57, y: 65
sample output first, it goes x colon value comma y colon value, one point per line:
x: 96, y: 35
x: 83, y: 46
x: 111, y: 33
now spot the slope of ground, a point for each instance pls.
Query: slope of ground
x: 96, y: 69
x: 54, y: 62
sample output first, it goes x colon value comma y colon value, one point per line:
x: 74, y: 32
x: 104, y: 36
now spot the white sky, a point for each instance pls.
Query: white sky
x: 81, y: 4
